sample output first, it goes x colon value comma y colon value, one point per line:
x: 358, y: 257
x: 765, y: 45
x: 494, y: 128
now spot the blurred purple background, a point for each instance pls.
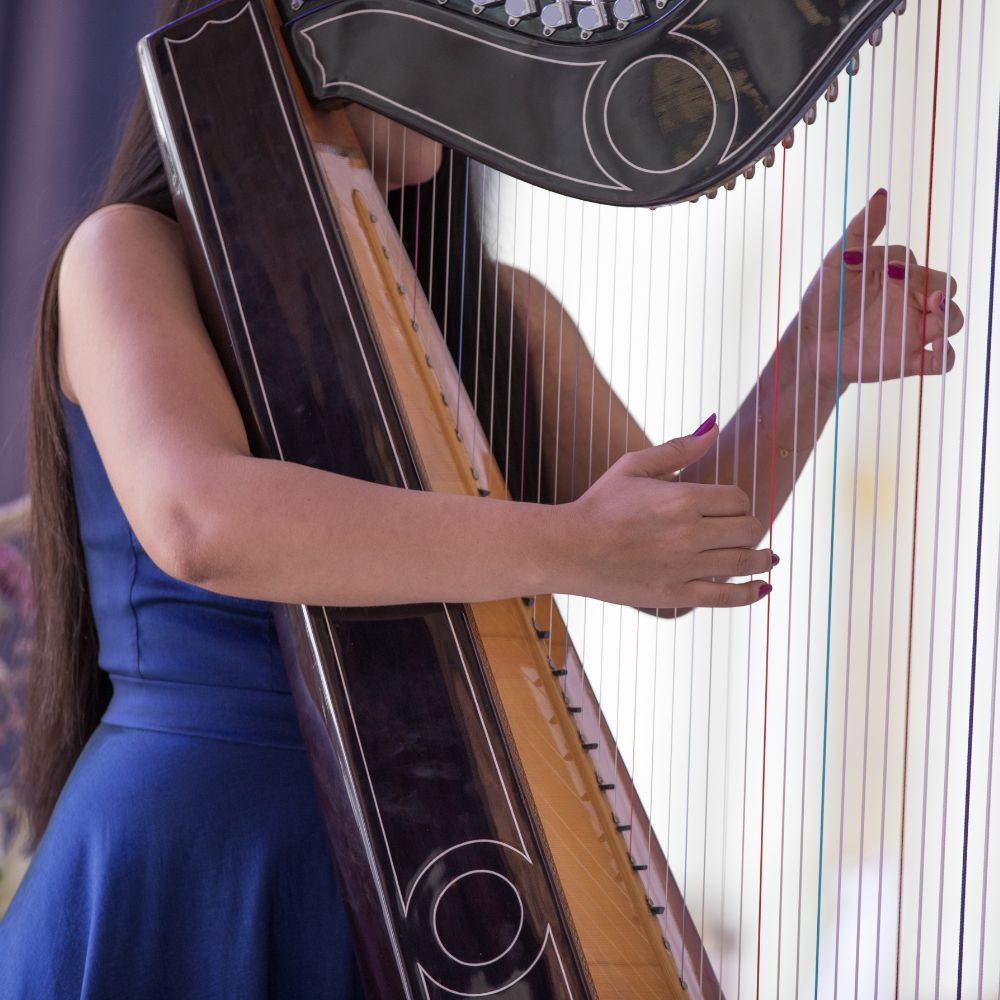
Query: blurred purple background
x: 68, y: 73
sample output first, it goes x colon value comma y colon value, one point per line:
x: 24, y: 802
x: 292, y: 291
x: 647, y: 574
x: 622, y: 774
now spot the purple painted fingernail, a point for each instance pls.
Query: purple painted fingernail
x: 853, y: 257
x: 705, y: 427
x: 775, y: 559
x: 765, y: 589
x: 881, y: 192
x: 896, y: 270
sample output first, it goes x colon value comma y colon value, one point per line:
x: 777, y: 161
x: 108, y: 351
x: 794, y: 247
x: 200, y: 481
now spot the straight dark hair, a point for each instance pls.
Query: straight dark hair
x: 67, y: 691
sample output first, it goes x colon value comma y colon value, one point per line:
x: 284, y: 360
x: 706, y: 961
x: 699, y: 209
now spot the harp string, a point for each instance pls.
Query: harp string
x: 461, y: 296
x: 979, y: 557
x: 833, y: 533
x: 723, y: 284
x: 812, y: 550
x: 711, y: 634
x: 916, y: 487
x: 854, y: 522
x: 916, y: 513
x: 527, y: 341
x: 937, y: 517
x: 758, y: 418
x: 653, y: 256
x: 746, y: 699
x: 791, y: 566
x: 647, y: 368
x: 770, y: 544
x: 687, y: 770
x: 481, y: 237
x: 874, y: 533
x: 897, y: 493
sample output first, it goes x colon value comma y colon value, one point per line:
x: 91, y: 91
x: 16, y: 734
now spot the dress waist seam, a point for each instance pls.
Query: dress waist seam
x: 235, y: 715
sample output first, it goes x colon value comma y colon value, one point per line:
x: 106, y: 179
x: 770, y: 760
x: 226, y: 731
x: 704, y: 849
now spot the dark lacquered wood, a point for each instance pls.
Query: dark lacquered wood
x: 418, y: 782
x: 665, y: 109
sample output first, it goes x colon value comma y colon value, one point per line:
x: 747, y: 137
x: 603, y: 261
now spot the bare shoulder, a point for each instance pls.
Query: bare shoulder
x: 121, y: 263
x: 116, y: 234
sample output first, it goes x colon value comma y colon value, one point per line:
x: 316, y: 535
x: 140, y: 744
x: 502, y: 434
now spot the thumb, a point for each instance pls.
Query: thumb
x: 663, y: 460
x: 862, y: 232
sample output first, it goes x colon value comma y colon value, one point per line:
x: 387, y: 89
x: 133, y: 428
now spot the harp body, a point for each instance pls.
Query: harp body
x: 463, y: 757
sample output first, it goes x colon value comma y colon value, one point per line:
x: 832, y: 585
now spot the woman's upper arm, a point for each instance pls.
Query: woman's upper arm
x: 134, y: 353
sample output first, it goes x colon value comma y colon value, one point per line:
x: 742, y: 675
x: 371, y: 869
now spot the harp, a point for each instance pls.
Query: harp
x: 818, y: 769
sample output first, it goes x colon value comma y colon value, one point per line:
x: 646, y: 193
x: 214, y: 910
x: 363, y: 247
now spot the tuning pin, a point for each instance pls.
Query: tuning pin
x: 626, y: 11
x: 750, y: 171
x: 876, y: 38
x: 731, y: 184
x: 832, y: 91
x: 901, y: 9
x: 556, y: 15
x: 711, y: 195
x: 592, y: 18
x: 788, y: 141
x: 854, y: 66
x: 768, y: 160
x: 517, y: 9
x: 810, y: 116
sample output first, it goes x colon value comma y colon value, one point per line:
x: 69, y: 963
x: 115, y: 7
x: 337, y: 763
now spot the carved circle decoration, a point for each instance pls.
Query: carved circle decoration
x: 675, y: 97
x: 477, y: 917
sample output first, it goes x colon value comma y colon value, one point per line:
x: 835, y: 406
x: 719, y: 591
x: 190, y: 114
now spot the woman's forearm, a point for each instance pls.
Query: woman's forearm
x: 763, y: 430
x: 287, y: 533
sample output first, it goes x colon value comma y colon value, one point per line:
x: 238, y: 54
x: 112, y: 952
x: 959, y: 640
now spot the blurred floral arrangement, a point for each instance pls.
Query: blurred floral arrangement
x: 15, y: 615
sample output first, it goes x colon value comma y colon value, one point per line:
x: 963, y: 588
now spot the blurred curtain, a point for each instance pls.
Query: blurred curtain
x: 67, y: 76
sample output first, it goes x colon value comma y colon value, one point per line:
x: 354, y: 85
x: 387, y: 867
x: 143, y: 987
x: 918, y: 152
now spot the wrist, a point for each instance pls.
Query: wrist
x: 560, y: 541
x: 816, y: 371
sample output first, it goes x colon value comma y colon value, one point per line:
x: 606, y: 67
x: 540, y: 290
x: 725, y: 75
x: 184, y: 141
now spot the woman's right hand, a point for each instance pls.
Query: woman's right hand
x: 641, y: 537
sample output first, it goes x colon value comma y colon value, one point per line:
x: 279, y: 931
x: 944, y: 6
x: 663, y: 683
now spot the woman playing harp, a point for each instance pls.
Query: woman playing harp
x: 179, y: 846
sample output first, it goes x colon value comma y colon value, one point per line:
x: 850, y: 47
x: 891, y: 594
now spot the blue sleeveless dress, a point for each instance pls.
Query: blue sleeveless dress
x: 186, y: 858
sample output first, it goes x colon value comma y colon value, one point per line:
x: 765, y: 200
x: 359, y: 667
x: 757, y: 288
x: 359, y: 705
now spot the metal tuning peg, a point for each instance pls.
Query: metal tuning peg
x: 518, y: 9
x: 480, y: 5
x: 788, y: 141
x: 592, y: 18
x: 854, y: 66
x: 750, y: 171
x: 901, y: 9
x: 628, y: 10
x: 731, y: 184
x: 555, y: 16
x: 811, y: 115
x: 832, y: 91
x: 876, y: 38
x: 768, y: 160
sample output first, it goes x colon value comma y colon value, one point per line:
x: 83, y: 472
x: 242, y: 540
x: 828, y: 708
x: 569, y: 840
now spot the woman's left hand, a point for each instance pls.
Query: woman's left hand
x: 894, y: 309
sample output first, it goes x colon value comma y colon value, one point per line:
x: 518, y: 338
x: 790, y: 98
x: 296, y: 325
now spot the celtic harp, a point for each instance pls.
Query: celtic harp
x: 818, y: 767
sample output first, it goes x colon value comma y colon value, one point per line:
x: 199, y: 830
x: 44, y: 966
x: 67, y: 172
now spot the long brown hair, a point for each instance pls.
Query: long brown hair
x: 67, y: 693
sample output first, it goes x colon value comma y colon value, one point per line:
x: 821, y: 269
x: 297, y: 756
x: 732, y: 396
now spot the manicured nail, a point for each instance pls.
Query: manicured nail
x: 705, y: 427
x: 896, y: 270
x: 881, y: 192
x: 853, y: 257
x: 775, y: 559
x: 765, y: 589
